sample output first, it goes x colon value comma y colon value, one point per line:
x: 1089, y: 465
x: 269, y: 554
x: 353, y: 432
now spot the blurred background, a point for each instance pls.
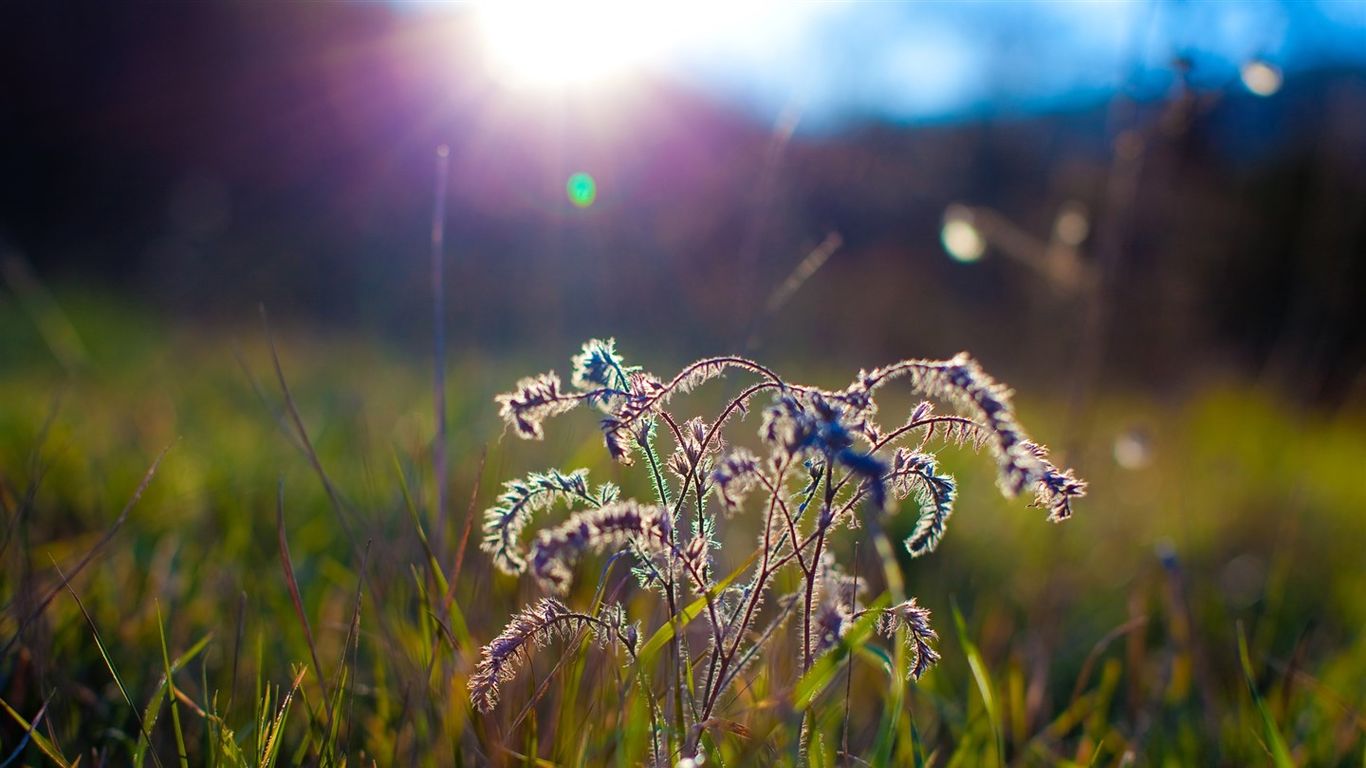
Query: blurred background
x: 1194, y: 168
x: 1149, y: 217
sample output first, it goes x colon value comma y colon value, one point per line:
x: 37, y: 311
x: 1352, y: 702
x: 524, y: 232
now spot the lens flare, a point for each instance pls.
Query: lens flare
x: 582, y: 190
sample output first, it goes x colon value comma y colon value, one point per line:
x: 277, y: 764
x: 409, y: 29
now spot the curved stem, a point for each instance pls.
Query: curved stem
x: 715, y: 428
x: 911, y: 427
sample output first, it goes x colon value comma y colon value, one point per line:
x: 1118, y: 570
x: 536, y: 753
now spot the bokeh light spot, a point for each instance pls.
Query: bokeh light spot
x: 1072, y: 225
x: 1133, y: 449
x: 582, y: 190
x: 1261, y: 78
x: 961, y: 239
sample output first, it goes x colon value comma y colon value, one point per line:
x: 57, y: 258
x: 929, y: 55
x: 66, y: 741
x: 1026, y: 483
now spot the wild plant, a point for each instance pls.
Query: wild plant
x: 824, y: 463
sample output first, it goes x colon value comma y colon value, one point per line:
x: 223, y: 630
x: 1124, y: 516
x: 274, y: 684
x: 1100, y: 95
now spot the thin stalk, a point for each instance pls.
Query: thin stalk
x: 791, y: 531
x: 764, y: 572
x: 821, y: 530
x: 848, y: 664
x: 676, y: 644
x: 773, y: 626
x: 737, y: 402
x: 804, y: 736
x: 170, y: 689
x: 439, y: 342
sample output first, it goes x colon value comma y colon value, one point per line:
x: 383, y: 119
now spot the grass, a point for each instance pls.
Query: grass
x: 1111, y: 640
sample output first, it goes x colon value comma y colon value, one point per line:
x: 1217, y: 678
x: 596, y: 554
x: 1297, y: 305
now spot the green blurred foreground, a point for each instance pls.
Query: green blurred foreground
x: 1217, y: 523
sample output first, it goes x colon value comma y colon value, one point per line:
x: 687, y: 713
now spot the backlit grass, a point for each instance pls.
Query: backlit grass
x: 1118, y: 634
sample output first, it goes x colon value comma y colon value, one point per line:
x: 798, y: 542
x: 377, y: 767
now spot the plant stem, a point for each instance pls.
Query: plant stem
x: 804, y: 737
x: 439, y: 344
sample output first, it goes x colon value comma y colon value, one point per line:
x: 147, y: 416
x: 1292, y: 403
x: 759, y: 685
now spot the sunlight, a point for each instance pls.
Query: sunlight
x: 549, y: 45
x: 552, y: 45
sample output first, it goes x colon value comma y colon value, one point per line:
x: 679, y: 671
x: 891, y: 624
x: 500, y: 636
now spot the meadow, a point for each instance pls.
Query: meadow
x: 178, y: 522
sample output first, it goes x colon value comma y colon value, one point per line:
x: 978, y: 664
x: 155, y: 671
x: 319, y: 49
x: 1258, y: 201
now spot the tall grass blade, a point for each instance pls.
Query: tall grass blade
x: 170, y: 686
x: 293, y: 584
x: 1275, y: 743
x: 153, y: 710
x: 345, y: 679
x: 810, y: 685
x: 91, y: 553
x: 271, y: 730
x: 982, y: 677
x: 31, y: 734
x: 896, y: 592
x: 458, y: 568
x: 691, y: 611
x: 302, y: 433
x: 108, y: 661
x: 237, y: 649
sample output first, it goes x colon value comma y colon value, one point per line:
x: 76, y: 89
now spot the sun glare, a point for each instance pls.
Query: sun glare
x: 572, y: 44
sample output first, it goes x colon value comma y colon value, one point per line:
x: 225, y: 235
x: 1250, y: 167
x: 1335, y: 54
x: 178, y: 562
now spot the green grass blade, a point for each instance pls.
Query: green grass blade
x: 271, y: 731
x: 878, y: 657
x: 982, y: 677
x: 153, y: 710
x: 433, y: 563
x: 896, y: 590
x: 918, y: 747
x: 31, y: 729
x: 694, y: 609
x: 104, y: 654
x: 170, y: 689
x: 328, y: 747
x: 1275, y: 743
x: 825, y: 668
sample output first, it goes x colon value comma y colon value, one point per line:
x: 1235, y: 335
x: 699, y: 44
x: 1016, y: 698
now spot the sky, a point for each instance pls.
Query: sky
x: 842, y: 62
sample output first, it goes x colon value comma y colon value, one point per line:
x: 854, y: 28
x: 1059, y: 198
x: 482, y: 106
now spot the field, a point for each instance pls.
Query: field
x: 1203, y: 607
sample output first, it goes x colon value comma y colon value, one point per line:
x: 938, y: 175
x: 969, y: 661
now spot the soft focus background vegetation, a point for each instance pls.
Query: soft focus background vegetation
x: 1197, y: 354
